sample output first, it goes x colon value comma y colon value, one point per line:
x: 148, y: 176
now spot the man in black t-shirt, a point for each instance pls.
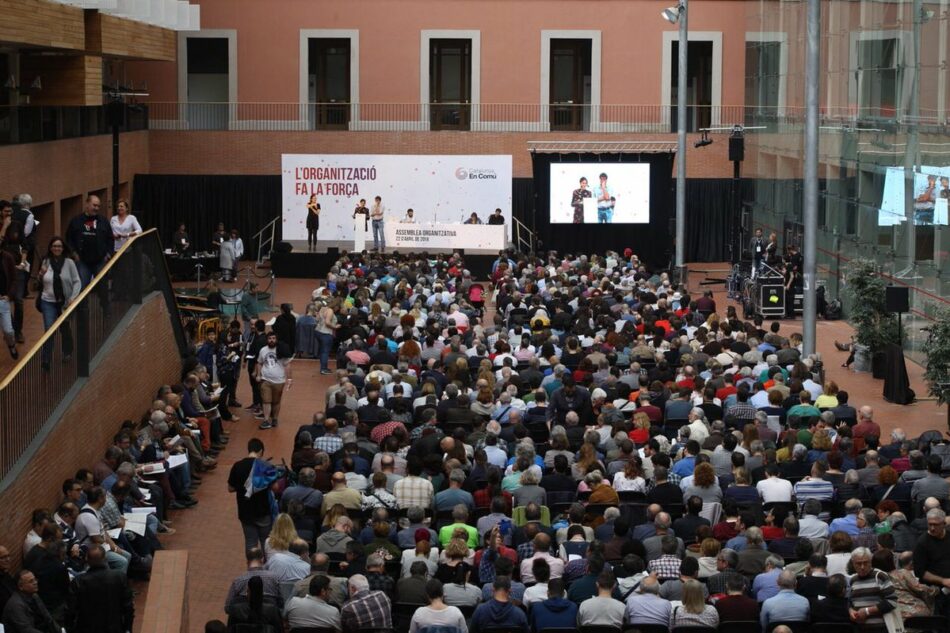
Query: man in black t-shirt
x: 254, y: 512
x: 932, y: 555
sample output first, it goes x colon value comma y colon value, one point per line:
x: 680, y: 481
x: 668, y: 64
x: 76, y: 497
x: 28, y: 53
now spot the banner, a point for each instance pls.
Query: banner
x: 439, y: 189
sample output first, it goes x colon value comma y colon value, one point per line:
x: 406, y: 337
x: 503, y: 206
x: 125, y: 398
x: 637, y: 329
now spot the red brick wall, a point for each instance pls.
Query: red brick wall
x: 82, y: 435
x: 258, y: 153
x: 57, y: 170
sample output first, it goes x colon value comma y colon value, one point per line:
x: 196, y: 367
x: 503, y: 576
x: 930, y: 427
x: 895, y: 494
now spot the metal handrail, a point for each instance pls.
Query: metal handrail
x: 265, y: 241
x: 520, y: 230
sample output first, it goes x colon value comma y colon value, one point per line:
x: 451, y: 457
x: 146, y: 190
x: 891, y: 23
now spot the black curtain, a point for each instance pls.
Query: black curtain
x: 246, y: 203
x: 708, y: 207
x: 653, y: 242
x: 522, y: 200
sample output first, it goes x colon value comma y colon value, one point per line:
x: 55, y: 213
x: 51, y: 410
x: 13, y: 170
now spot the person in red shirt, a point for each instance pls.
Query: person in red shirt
x: 866, y: 425
x: 729, y: 389
x: 736, y: 606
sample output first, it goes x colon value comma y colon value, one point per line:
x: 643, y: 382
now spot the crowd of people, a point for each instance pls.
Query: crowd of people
x: 596, y: 448
x: 580, y: 444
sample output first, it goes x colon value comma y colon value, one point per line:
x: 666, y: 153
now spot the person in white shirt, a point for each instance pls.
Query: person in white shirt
x: 410, y: 217
x: 774, y: 489
x: 437, y: 614
x: 377, y: 214
x: 124, y: 225
x: 697, y: 425
x: 810, y: 526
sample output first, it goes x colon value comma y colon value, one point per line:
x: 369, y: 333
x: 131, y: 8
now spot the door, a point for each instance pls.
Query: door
x: 208, y: 83
x: 570, y: 84
x: 329, y: 81
x: 450, y: 84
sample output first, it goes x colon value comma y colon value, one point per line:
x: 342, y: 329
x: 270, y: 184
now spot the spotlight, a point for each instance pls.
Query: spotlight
x: 672, y: 14
x: 704, y: 141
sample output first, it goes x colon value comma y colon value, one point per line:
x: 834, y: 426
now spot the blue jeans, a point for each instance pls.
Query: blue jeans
x: 324, y: 343
x: 51, y: 311
x: 605, y: 215
x: 88, y: 271
x: 379, y: 239
x: 6, y: 320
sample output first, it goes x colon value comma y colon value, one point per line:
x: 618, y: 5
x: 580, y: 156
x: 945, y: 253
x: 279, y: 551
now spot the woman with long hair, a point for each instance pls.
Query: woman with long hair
x: 281, y: 535
x: 61, y: 286
x: 630, y: 478
x: 124, y: 224
x: 694, y: 611
x: 586, y: 462
x: 313, y: 221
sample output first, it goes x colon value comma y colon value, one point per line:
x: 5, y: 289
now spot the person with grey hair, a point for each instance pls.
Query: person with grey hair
x: 932, y: 554
x: 867, y: 476
x: 765, y: 585
x: 646, y: 607
x: 304, y: 492
x: 726, y: 562
x: 454, y: 494
x: 530, y: 491
x: 753, y: 556
x: 785, y: 605
x: 698, y: 428
x: 848, y: 523
x: 810, y: 525
x: 872, y: 593
x: 366, y: 609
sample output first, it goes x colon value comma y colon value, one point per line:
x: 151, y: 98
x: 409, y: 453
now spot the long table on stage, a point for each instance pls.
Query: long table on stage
x: 420, y: 237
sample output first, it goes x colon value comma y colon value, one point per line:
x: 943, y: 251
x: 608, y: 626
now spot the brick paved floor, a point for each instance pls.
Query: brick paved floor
x: 212, y: 533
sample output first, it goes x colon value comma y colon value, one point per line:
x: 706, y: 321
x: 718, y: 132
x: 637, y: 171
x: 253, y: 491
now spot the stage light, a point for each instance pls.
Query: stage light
x: 704, y: 141
x: 671, y: 14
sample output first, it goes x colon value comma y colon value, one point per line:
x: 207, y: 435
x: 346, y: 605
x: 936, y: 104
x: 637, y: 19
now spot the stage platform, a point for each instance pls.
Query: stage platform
x: 302, y: 263
x: 324, y: 245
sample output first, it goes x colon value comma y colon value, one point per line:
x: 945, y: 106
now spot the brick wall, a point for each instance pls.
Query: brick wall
x: 112, y: 394
x: 239, y: 152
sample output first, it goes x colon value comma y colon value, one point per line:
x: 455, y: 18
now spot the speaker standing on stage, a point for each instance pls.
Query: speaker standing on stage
x: 377, y: 213
x: 771, y: 250
x: 313, y: 221
x: 362, y: 210
x: 757, y: 246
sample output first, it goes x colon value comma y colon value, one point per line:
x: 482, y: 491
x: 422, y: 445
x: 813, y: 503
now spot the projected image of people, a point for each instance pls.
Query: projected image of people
x: 924, y: 202
x: 577, y: 200
x: 606, y: 201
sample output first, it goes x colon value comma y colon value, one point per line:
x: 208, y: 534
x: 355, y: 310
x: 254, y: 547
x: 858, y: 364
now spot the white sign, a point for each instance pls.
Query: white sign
x: 440, y: 189
x: 423, y: 236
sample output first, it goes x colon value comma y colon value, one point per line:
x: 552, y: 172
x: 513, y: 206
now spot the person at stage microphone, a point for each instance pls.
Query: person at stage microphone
x: 606, y: 200
x: 362, y: 210
x: 473, y: 219
x: 496, y: 217
x: 313, y: 221
x: 376, y: 214
x: 410, y: 217
x: 577, y: 200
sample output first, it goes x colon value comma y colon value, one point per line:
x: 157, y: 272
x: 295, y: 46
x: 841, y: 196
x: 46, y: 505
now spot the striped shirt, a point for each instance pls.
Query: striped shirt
x: 874, y: 590
x: 814, y: 489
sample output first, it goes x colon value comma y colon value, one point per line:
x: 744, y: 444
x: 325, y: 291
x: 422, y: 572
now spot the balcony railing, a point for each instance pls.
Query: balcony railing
x: 35, y: 124
x: 488, y: 117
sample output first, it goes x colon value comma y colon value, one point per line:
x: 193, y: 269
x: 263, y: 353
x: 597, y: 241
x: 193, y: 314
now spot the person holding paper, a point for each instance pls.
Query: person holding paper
x: 273, y: 372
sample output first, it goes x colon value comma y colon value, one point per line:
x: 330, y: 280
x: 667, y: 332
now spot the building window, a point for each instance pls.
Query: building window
x: 571, y: 68
x: 703, y: 81
x: 207, y: 78
x: 450, y: 84
x: 328, y: 82
x: 764, y: 78
x: 878, y: 76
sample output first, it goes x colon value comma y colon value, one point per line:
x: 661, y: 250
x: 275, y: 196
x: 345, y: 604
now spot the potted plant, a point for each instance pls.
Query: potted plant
x: 874, y: 326
x: 937, y: 371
